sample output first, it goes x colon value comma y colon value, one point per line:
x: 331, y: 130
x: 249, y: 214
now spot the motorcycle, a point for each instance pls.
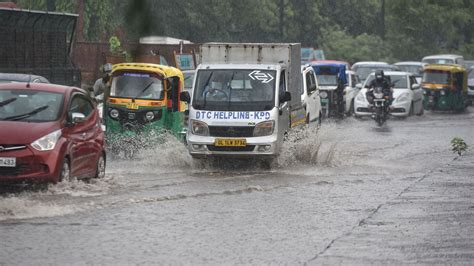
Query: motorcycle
x: 380, y: 108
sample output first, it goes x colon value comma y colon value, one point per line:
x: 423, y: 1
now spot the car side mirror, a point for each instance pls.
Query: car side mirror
x: 415, y: 86
x: 286, y: 97
x: 78, y: 118
x: 358, y: 86
x: 312, y: 88
x: 185, y: 97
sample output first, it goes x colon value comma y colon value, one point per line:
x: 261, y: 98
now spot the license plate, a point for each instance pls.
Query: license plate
x: 231, y: 142
x: 7, y: 162
x: 132, y: 106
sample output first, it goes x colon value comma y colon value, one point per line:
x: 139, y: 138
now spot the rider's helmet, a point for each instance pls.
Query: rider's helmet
x: 379, y: 76
x: 107, y: 68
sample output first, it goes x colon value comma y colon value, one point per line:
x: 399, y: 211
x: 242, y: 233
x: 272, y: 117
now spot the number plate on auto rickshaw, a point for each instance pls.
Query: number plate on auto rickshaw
x: 132, y: 106
x: 231, y: 142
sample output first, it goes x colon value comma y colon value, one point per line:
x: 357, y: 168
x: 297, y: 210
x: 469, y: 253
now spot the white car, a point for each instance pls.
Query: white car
x: 407, y: 95
x: 413, y: 67
x: 310, y: 94
x: 350, y: 91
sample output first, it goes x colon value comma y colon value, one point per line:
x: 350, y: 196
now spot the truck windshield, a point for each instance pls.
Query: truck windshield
x: 436, y: 77
x: 235, y: 89
x: 137, y: 86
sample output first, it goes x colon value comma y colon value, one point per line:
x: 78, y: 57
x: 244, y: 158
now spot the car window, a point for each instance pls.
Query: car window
x: 80, y: 104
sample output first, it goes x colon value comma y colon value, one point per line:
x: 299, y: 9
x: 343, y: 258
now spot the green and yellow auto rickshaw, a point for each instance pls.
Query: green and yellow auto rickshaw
x: 444, y: 87
x: 142, y: 103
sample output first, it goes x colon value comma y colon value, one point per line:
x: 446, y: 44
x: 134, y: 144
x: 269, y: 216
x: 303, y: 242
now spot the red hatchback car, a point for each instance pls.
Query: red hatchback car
x: 49, y: 133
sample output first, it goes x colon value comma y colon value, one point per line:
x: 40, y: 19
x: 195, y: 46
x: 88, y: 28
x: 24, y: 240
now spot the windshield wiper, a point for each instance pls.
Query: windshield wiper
x: 7, y: 102
x: 205, y: 93
x: 23, y: 116
x: 146, y: 88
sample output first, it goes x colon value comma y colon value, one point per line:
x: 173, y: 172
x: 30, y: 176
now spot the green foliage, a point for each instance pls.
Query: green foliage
x: 115, y: 45
x: 459, y: 146
x: 347, y: 29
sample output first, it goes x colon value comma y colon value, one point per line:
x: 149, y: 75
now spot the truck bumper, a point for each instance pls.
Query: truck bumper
x: 204, y: 146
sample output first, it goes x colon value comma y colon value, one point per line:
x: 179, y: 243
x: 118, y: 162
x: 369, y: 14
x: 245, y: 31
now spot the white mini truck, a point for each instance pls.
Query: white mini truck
x: 246, y: 96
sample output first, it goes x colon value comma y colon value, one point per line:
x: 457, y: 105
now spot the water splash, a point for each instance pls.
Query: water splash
x: 21, y: 208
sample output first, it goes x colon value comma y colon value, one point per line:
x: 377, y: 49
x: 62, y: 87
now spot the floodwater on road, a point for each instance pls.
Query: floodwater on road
x: 311, y: 206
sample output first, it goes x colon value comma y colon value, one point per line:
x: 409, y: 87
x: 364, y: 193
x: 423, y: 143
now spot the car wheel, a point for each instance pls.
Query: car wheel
x: 307, y: 119
x: 100, y: 170
x: 65, y: 172
x: 422, y: 110
x: 410, y: 113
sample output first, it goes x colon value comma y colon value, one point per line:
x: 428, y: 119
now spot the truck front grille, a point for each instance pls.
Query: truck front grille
x: 226, y: 131
x: 219, y: 148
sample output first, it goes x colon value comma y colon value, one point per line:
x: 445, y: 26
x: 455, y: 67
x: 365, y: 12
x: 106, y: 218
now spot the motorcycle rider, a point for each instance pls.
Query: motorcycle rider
x: 101, y: 84
x: 383, y: 81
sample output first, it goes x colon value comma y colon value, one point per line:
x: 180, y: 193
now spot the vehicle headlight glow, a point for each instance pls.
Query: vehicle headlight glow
x: 264, y: 129
x: 403, y: 97
x: 47, y: 142
x: 323, y: 94
x: 199, y: 128
x: 114, y: 113
x: 442, y: 92
x: 149, y: 116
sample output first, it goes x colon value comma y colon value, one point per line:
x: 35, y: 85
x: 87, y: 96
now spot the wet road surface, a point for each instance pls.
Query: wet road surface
x: 348, y: 193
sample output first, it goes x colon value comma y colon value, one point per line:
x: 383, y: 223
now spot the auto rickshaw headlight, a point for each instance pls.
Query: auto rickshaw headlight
x: 114, y: 113
x: 149, y: 116
x: 264, y: 129
x: 199, y: 128
x: 323, y: 94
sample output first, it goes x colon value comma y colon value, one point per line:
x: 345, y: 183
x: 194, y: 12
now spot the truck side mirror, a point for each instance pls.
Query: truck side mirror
x: 185, y: 97
x: 286, y: 97
x: 312, y: 88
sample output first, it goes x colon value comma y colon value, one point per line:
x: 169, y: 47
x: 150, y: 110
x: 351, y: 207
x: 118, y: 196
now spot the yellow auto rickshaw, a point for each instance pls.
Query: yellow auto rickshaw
x: 143, y: 101
x: 444, y: 87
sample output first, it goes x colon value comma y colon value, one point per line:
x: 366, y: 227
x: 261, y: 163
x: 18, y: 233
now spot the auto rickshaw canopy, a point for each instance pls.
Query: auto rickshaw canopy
x: 165, y: 71
x: 331, y: 68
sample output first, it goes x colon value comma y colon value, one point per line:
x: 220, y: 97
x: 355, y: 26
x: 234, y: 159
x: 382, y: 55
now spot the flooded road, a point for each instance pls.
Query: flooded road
x: 348, y: 192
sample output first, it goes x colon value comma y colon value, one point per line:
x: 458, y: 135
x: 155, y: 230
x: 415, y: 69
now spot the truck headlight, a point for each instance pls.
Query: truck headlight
x: 47, y: 142
x: 199, y: 128
x: 264, y: 129
x: 323, y: 94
